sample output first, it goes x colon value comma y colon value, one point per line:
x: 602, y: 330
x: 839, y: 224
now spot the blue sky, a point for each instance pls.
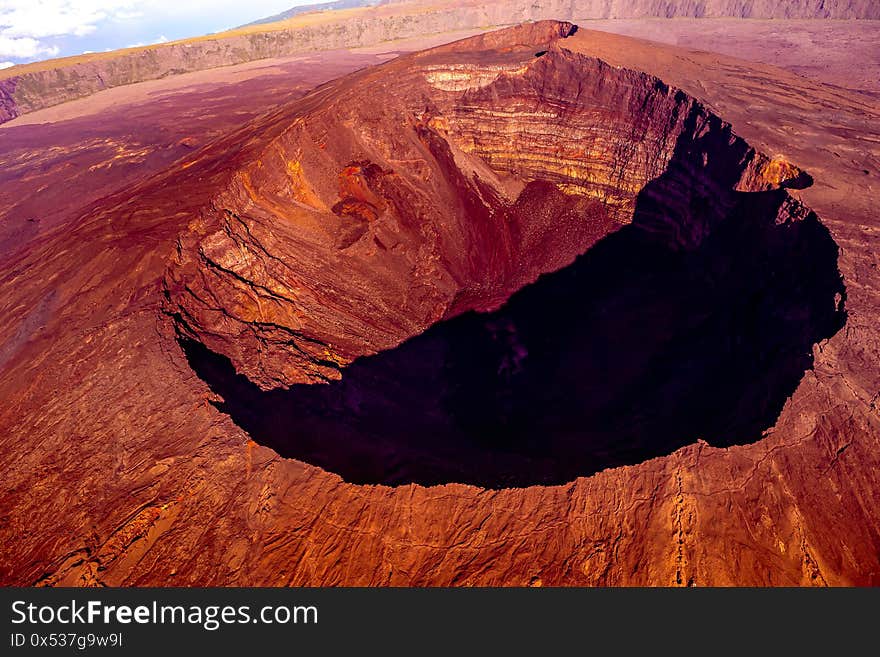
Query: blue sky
x: 31, y: 30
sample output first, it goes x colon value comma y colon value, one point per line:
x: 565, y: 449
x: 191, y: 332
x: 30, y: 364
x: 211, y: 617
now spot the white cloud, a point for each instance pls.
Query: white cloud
x: 6, y: 65
x: 30, y: 28
x: 124, y: 15
x: 24, y: 48
x: 156, y: 41
x: 45, y: 18
x: 24, y: 24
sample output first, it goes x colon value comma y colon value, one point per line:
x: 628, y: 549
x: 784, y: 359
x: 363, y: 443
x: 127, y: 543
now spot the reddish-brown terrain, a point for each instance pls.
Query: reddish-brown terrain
x: 58, y: 161
x: 37, y: 85
x: 823, y: 50
x: 250, y: 355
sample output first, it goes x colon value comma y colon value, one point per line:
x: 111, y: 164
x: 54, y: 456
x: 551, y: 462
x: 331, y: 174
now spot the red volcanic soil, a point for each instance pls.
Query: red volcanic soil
x: 508, y: 311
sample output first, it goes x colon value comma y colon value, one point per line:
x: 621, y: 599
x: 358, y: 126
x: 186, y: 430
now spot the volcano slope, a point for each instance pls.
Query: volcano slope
x: 516, y: 260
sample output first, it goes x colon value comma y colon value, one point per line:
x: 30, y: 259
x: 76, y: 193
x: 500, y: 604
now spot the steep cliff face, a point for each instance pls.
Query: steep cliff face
x: 700, y: 319
x: 49, y: 83
x: 8, y: 109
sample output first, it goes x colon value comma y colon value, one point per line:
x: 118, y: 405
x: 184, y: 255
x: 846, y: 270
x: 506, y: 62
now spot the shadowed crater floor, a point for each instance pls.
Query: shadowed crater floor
x: 631, y: 352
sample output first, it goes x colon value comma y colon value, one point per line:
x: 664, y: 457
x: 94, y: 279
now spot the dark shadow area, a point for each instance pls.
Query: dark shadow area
x: 801, y: 181
x: 634, y: 350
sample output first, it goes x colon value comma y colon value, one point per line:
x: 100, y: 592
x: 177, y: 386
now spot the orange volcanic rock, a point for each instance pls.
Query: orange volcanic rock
x: 501, y: 175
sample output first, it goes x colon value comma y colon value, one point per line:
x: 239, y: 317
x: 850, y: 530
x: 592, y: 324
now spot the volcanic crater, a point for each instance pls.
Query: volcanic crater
x: 526, y: 266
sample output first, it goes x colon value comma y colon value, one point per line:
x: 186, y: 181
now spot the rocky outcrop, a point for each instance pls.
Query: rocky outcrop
x: 8, y: 110
x: 49, y: 83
